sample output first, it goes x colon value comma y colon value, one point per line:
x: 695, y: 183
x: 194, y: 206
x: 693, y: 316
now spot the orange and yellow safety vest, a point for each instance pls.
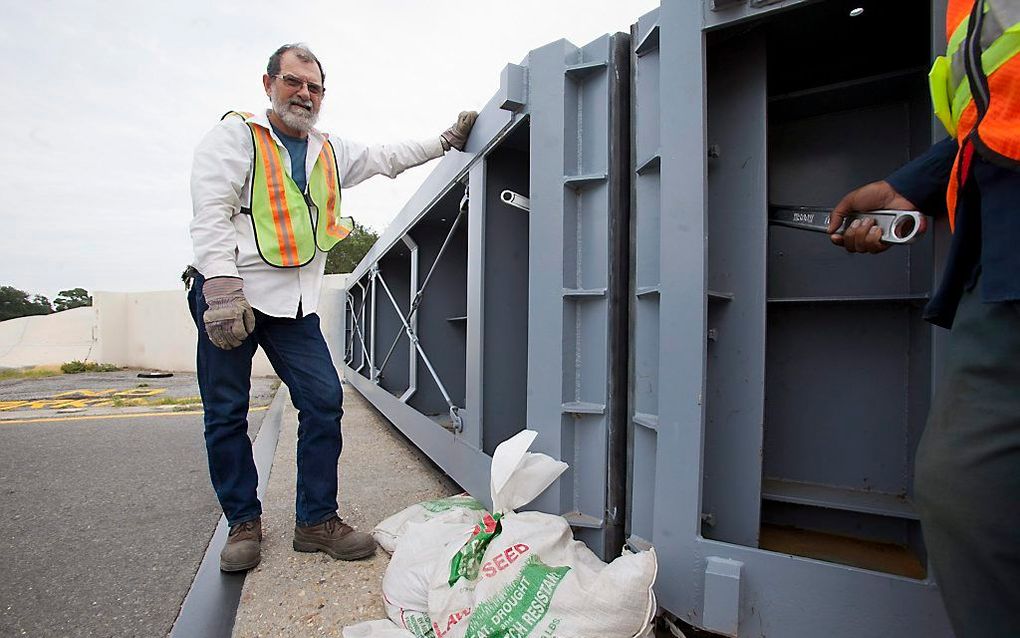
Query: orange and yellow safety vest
x: 975, y: 87
x: 286, y: 231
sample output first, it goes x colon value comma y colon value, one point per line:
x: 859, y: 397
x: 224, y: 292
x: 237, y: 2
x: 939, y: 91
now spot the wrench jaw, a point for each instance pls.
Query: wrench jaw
x: 898, y: 226
x: 906, y: 228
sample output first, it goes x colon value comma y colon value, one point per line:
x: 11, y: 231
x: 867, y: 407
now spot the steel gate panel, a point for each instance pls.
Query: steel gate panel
x: 542, y: 303
x: 713, y: 329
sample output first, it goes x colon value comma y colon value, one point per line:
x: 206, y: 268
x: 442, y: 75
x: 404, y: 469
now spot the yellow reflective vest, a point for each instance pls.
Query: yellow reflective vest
x: 287, y: 232
x: 975, y: 87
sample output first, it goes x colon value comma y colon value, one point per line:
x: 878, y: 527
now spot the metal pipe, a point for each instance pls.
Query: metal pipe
x: 516, y: 200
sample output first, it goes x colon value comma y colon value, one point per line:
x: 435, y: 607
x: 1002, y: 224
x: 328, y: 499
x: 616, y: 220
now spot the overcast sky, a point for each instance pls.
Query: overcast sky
x: 104, y: 101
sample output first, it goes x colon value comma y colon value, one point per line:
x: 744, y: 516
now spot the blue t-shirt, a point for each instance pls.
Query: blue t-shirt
x: 298, y: 149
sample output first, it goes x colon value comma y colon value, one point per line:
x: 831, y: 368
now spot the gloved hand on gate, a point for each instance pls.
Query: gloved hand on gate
x: 456, y: 136
x: 229, y: 319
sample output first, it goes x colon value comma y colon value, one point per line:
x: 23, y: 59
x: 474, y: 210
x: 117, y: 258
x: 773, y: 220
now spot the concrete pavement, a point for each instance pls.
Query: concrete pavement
x: 106, y: 512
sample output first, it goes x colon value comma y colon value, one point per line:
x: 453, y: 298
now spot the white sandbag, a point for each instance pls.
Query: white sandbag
x: 391, y: 529
x: 406, y: 582
x: 375, y: 629
x: 524, y: 574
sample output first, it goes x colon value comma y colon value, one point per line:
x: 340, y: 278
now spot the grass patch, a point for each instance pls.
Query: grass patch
x: 187, y: 402
x: 33, y: 372
x: 75, y: 367
x: 179, y: 401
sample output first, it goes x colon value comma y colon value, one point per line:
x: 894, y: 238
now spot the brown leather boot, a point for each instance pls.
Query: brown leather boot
x: 336, y: 538
x: 243, y: 549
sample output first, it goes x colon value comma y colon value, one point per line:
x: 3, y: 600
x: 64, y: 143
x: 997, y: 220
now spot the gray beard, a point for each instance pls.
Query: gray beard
x: 298, y: 120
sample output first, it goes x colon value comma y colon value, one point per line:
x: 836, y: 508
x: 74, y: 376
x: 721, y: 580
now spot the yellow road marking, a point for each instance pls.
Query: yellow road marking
x: 130, y: 392
x: 85, y: 393
x: 93, y: 417
x: 102, y: 398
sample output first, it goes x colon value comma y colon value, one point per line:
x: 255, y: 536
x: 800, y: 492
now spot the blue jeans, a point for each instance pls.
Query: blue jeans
x: 298, y: 353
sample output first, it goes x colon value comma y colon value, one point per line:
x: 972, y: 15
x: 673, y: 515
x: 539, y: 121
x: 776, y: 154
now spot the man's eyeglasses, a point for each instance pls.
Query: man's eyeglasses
x: 295, y: 82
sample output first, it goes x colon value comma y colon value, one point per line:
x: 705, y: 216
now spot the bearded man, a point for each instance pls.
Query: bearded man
x: 266, y: 195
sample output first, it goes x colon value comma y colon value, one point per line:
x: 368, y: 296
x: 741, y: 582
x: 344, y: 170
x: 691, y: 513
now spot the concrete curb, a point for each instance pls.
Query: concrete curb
x: 211, y: 604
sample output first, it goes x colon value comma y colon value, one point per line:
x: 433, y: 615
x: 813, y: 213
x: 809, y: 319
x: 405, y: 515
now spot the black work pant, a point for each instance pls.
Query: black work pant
x: 967, y: 485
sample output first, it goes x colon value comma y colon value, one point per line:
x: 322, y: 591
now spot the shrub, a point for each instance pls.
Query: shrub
x: 74, y: 367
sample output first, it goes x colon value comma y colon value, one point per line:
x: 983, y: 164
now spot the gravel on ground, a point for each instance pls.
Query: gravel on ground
x: 292, y: 594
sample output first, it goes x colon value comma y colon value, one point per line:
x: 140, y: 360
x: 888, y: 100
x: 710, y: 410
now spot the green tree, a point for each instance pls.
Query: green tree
x: 73, y: 298
x: 345, y: 256
x: 16, y: 303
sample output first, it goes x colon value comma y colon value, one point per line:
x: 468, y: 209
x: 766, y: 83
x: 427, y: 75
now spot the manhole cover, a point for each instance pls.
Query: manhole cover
x: 155, y: 374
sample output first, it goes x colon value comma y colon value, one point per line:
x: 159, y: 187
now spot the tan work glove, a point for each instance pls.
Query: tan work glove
x: 229, y: 319
x: 456, y: 136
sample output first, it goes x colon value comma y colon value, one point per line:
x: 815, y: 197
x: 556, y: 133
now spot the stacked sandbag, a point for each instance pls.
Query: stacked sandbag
x: 535, y: 580
x: 523, y: 574
x: 415, y: 536
x: 408, y: 577
x: 512, y: 574
x: 462, y: 506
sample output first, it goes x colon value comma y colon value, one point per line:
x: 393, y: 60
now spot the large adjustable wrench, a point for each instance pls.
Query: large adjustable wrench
x: 898, y: 226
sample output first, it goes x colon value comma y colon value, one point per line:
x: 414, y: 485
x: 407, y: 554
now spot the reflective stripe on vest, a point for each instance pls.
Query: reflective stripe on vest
x: 325, y: 186
x: 286, y: 230
x: 999, y: 42
x: 982, y: 56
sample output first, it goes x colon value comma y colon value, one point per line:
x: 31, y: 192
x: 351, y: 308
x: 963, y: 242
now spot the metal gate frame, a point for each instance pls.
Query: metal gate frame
x: 728, y: 588
x: 574, y: 101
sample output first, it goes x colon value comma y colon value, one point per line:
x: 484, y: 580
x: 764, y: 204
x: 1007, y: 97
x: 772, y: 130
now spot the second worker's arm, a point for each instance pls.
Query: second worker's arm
x: 918, y: 185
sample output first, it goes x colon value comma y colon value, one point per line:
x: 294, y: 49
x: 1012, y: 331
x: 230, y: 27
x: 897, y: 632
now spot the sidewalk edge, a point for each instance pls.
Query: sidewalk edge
x: 211, y: 604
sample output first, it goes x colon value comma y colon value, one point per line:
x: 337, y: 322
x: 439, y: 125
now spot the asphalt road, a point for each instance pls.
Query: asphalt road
x: 104, y: 514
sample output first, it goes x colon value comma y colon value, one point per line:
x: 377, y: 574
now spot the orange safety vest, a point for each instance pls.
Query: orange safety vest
x: 286, y: 231
x: 975, y: 87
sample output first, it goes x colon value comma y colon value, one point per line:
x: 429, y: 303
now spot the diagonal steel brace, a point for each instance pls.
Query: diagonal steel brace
x: 366, y: 355
x: 416, y: 302
x: 454, y: 410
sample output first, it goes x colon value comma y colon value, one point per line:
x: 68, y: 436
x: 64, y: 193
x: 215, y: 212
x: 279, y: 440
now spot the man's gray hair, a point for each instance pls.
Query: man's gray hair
x: 302, y: 52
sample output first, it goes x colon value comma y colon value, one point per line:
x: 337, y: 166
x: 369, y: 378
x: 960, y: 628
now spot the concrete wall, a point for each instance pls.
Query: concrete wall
x: 48, y: 339
x: 151, y: 330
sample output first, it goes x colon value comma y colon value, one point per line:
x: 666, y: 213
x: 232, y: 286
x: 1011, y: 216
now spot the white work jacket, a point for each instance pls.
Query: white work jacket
x: 223, y: 237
